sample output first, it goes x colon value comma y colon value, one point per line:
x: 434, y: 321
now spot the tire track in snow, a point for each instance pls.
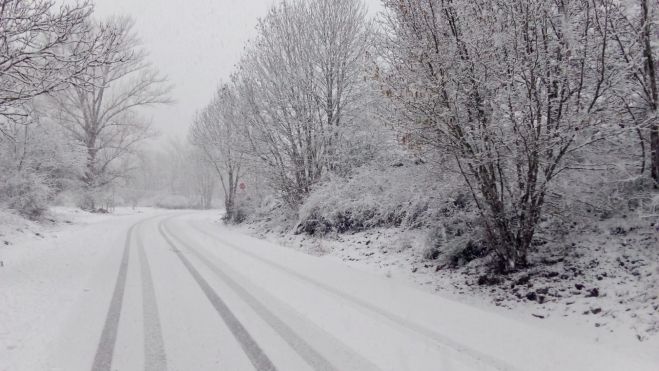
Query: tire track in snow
x: 438, y: 338
x: 105, y: 350
x: 253, y: 351
x: 153, y: 344
x: 312, y: 357
x: 155, y: 358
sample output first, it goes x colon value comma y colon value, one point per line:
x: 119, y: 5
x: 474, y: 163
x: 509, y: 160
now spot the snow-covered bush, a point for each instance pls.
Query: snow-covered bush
x: 27, y: 193
x: 400, y: 195
x: 266, y: 209
x: 455, y: 240
x: 36, y: 162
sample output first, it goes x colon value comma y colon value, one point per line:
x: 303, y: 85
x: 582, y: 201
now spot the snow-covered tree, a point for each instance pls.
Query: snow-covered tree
x: 44, y: 49
x: 218, y: 133
x: 302, y: 89
x: 105, y: 116
x: 37, y: 163
x: 40, y: 52
x: 508, y: 92
x: 634, y: 34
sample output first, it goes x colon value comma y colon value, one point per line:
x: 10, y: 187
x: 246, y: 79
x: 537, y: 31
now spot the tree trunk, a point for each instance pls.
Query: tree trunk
x: 229, y: 207
x: 651, y: 73
x: 654, y: 145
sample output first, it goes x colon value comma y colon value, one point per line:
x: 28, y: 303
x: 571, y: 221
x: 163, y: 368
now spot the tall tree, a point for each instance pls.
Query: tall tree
x: 217, y: 132
x: 105, y: 116
x: 302, y: 88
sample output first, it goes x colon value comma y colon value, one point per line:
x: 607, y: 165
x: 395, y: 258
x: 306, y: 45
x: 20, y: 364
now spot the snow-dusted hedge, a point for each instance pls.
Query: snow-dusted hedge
x: 401, y: 195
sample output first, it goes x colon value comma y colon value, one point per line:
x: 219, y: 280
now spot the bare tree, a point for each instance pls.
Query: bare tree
x: 634, y: 35
x: 104, y: 116
x: 301, y: 86
x: 44, y: 48
x: 216, y: 131
x: 203, y: 178
x: 41, y: 52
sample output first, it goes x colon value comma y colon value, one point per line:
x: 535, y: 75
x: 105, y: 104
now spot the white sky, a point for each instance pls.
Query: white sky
x: 196, y: 43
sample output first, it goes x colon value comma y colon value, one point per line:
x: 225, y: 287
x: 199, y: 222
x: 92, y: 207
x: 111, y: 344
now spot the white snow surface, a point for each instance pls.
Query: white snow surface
x: 56, y: 289
x: 623, y: 267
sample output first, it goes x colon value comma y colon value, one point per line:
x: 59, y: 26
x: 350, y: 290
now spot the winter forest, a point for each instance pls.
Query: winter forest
x: 506, y: 149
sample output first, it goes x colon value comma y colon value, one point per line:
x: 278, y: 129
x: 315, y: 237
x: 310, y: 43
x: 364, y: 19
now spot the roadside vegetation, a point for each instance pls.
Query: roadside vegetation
x: 501, y: 125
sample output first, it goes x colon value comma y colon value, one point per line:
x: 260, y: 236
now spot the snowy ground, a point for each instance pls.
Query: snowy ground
x: 155, y: 290
x: 47, y: 270
x: 604, y: 290
x: 17, y: 230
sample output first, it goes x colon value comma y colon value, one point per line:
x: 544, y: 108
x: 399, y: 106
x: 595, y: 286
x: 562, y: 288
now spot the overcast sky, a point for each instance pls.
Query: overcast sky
x: 196, y: 43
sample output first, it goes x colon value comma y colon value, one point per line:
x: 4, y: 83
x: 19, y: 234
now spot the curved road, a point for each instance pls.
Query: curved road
x: 216, y: 281
x: 175, y: 291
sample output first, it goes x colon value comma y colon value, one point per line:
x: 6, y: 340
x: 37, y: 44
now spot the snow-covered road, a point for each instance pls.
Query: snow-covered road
x: 175, y: 291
